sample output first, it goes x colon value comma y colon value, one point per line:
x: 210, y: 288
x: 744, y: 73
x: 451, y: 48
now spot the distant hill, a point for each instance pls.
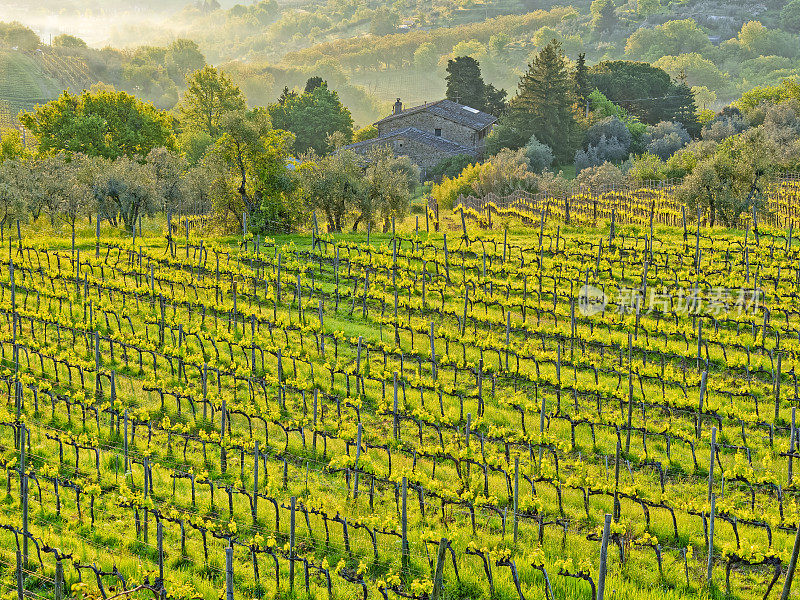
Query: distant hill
x: 24, y: 83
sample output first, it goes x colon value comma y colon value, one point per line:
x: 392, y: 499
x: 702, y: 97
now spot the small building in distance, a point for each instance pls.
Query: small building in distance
x: 431, y: 132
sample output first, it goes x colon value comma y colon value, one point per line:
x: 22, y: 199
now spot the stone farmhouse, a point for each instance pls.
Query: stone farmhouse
x: 431, y: 132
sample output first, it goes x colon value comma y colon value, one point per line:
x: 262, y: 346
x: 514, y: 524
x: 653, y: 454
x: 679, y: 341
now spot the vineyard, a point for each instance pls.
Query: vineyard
x: 549, y: 412
x: 636, y: 203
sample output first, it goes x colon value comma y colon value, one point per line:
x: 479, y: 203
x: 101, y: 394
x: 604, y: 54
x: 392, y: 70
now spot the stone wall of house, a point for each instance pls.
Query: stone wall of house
x: 422, y: 155
x: 426, y: 121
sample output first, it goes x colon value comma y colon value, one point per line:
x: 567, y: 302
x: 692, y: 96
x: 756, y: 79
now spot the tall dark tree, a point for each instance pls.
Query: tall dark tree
x: 684, y: 108
x: 604, y: 15
x: 286, y: 94
x: 495, y: 103
x: 313, y: 83
x: 543, y: 105
x: 582, y: 85
x: 464, y: 82
x: 640, y: 88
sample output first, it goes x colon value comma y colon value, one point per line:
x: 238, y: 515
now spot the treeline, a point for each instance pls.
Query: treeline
x: 157, y: 74
x: 722, y: 160
x: 108, y: 155
x: 719, y: 62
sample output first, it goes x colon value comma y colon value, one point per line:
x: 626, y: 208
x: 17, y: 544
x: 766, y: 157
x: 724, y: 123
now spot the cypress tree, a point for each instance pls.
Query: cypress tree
x: 543, y: 105
x: 685, y: 108
x: 582, y: 84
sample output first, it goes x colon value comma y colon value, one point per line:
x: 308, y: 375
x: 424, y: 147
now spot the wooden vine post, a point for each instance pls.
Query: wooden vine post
x: 516, y: 498
x: 292, y: 541
x: 791, y: 445
x: 404, y: 553
x: 787, y: 585
x: 395, y: 416
x: 23, y: 491
x: 711, y: 462
x: 255, y: 479
x: 229, y: 573
x: 438, y: 580
x: 703, y: 383
x: 223, y: 458
x: 160, y: 542
x: 711, y: 540
x: 20, y: 577
x: 358, y: 456
x: 601, y: 574
x: 58, y: 581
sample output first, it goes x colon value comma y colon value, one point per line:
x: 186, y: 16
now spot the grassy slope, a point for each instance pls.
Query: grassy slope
x: 22, y: 83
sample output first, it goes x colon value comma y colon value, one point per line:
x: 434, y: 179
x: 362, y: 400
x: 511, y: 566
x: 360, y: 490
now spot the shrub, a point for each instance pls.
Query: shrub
x: 606, y: 150
x: 539, y: 155
x: 665, y: 138
x: 601, y: 176
x: 610, y: 128
x: 450, y: 166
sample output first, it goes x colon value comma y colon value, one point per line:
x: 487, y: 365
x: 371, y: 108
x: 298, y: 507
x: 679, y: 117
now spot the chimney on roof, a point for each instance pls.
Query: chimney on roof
x: 398, y: 107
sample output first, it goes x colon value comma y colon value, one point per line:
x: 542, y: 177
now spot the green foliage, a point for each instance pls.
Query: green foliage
x: 471, y: 49
x: 684, y: 109
x: 507, y: 133
x: 504, y: 173
x: 604, y: 15
x: 365, y: 133
x: 126, y: 188
x: 313, y: 83
x: 643, y: 90
x: 697, y: 70
x: 539, y: 155
x: 312, y: 118
x: 788, y: 89
x: 666, y: 138
x: 15, y: 181
x: 332, y: 184
x: 183, y: 57
x: 16, y: 35
x: 68, y: 41
x: 790, y: 16
x: 11, y: 145
x: 646, y: 167
x: 193, y: 145
x: 210, y: 95
x: 543, y: 104
x: 671, y: 38
x: 757, y: 40
x: 446, y: 192
x: 107, y: 124
x: 425, y: 56
x: 582, y: 85
x: 451, y: 166
x: 465, y: 83
x: 372, y: 188
x: 387, y: 184
x: 383, y: 21
x: 253, y: 162
x: 604, y: 176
